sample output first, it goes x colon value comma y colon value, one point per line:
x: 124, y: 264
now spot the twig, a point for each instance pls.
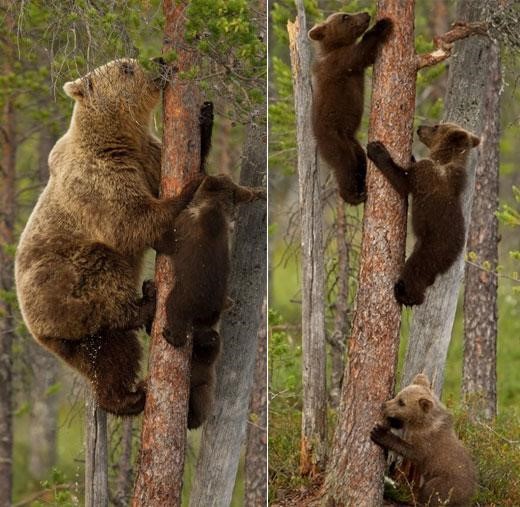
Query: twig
x: 444, y: 43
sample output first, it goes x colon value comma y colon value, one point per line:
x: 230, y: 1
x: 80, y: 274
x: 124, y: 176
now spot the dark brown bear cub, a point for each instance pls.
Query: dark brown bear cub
x: 429, y: 441
x: 338, y: 98
x: 436, y: 185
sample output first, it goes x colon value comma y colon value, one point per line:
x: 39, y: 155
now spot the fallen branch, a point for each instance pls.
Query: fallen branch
x: 444, y: 43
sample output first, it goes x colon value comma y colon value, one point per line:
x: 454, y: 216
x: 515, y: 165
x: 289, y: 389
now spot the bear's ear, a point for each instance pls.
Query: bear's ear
x: 317, y: 32
x: 425, y: 404
x: 475, y: 141
x: 75, y: 89
x: 421, y: 380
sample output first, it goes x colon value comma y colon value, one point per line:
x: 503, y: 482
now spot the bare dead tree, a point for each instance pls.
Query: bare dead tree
x: 432, y: 322
x: 163, y: 435
x: 480, y: 294
x: 224, y: 431
x: 313, y: 448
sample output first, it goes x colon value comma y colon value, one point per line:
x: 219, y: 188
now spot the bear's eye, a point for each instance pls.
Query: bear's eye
x: 345, y: 17
x: 400, y: 402
x: 127, y: 68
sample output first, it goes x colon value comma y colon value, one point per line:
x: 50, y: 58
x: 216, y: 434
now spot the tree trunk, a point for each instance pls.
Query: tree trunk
x: 124, y: 479
x: 44, y: 406
x: 341, y: 309
x: 313, y: 446
x: 163, y: 436
x: 7, y: 323
x: 355, y: 471
x: 224, y: 431
x: 480, y: 294
x: 432, y: 322
x: 256, y: 440
x: 96, y: 454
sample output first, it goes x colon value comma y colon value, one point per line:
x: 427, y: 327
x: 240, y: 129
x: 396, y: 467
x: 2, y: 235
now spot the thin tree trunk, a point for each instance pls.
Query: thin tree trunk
x: 355, y: 471
x: 163, y: 436
x: 7, y: 323
x: 256, y: 440
x: 341, y: 311
x: 44, y: 407
x: 480, y: 294
x: 124, y: 479
x: 224, y: 431
x: 96, y: 454
x: 432, y: 322
x: 313, y: 445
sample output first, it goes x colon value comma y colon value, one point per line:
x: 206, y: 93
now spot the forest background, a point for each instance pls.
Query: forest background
x: 497, y: 447
x: 43, y: 45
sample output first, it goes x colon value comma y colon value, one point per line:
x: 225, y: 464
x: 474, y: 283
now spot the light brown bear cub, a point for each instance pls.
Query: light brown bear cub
x: 430, y: 443
x: 337, y: 106
x: 78, y: 263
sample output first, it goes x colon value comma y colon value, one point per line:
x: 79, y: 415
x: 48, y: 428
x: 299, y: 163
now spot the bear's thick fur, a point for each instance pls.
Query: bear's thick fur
x: 338, y: 99
x: 78, y: 263
x: 436, y: 185
x: 429, y: 441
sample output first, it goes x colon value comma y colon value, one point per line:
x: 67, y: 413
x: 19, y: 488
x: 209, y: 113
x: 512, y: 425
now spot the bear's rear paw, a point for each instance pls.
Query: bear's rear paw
x: 177, y: 339
x: 353, y: 198
x: 149, y: 290
x: 405, y: 296
x: 129, y: 403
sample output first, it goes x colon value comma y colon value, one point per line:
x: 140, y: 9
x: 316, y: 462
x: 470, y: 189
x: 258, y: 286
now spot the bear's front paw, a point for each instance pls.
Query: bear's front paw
x: 377, y: 152
x: 405, y: 296
x: 149, y: 290
x: 383, y: 27
x: 379, y: 434
x: 175, y: 339
x: 260, y: 193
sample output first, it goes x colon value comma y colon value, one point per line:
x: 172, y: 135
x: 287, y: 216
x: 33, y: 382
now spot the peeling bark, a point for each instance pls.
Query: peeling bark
x: 432, y: 322
x: 163, y: 436
x: 355, y: 470
x: 313, y: 446
x: 480, y: 295
x: 224, y: 431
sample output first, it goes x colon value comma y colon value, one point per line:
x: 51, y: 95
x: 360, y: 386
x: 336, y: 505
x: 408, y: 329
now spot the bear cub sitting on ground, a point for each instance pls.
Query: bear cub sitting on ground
x: 199, y: 245
x: 436, y: 185
x: 430, y: 443
x: 338, y: 99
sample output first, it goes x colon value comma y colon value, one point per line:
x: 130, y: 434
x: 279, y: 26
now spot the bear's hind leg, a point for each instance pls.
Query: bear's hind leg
x: 110, y: 360
x: 206, y: 349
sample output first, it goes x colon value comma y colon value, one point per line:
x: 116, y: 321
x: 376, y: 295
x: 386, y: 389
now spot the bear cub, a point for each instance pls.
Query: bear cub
x: 199, y: 245
x: 338, y: 99
x: 436, y: 185
x: 430, y: 443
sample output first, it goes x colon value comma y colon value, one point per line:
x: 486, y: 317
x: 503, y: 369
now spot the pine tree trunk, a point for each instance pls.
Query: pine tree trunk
x: 96, y: 453
x: 124, y: 479
x: 256, y: 439
x: 432, y: 322
x: 355, y: 470
x: 163, y: 436
x: 313, y: 445
x: 224, y: 432
x: 8, y: 144
x: 480, y: 294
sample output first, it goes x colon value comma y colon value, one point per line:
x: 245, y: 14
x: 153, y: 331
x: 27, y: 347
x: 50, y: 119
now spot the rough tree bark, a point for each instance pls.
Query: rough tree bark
x: 124, y: 479
x: 96, y: 453
x: 8, y: 145
x: 313, y: 445
x: 224, y: 431
x: 163, y: 435
x: 341, y: 311
x: 355, y: 470
x: 432, y: 322
x: 480, y: 293
x: 256, y: 439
